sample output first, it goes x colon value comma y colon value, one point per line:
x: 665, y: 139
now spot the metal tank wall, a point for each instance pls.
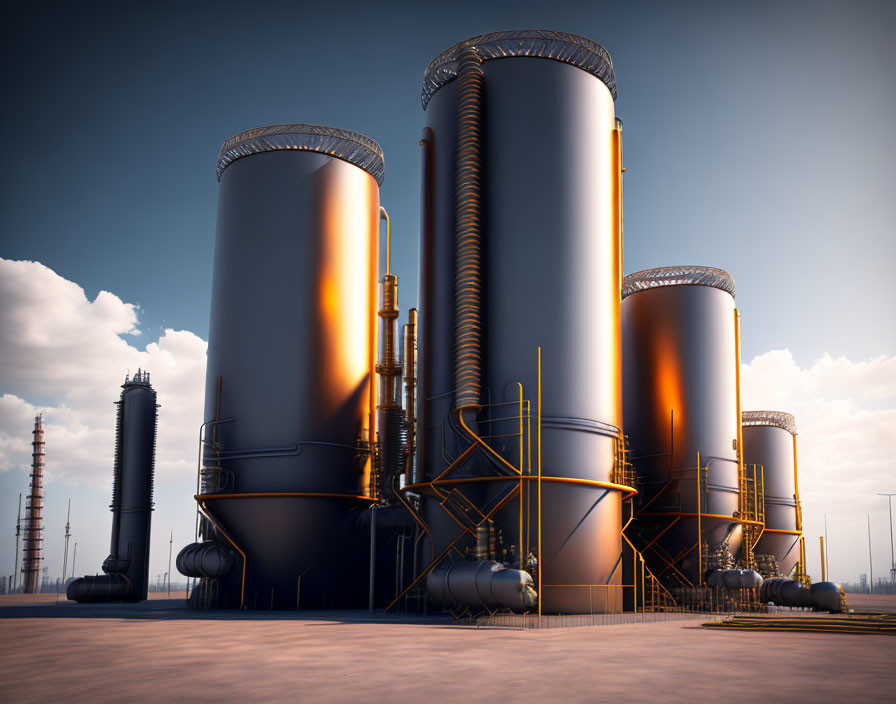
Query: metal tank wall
x: 769, y: 439
x: 127, y: 566
x: 546, y: 205
x: 679, y: 366
x: 289, y: 391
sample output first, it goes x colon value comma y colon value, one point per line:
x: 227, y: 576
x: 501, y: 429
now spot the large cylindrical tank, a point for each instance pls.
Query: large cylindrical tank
x: 539, y: 173
x: 289, y: 401
x: 769, y: 439
x: 679, y: 367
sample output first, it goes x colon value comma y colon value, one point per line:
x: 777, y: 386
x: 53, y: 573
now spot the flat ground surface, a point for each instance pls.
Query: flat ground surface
x: 158, y: 651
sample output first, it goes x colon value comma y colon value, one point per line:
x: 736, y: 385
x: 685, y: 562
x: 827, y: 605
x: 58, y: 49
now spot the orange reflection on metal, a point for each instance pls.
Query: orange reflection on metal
x: 348, y: 220
x: 669, y: 384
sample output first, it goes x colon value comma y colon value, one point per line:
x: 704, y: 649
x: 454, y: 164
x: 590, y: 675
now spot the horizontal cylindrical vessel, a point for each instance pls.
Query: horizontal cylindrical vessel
x: 680, y: 406
x: 770, y: 441
x: 481, y: 585
x: 289, y: 392
x: 521, y: 250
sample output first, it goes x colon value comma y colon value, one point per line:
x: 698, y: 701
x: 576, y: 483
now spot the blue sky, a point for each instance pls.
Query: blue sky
x: 758, y: 138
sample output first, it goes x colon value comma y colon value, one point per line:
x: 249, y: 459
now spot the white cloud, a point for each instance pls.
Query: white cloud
x: 63, y: 350
x: 846, y: 416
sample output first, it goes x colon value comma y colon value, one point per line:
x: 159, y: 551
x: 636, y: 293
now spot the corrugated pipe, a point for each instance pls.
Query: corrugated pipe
x: 206, y: 559
x: 735, y: 579
x: 821, y: 596
x: 468, y: 240
x: 104, y: 587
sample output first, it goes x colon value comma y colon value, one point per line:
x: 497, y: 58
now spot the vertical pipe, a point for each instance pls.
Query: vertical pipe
x: 796, y: 489
x: 826, y: 556
x: 372, y: 557
x: 699, y: 527
x: 385, y: 215
x: 540, y: 563
x: 468, y: 245
x: 170, y: 547
x: 824, y: 574
x: 520, y: 550
x: 618, y: 240
x: 870, y: 561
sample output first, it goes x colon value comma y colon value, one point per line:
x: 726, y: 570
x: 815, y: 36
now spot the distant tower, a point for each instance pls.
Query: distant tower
x: 31, y: 543
x: 126, y: 569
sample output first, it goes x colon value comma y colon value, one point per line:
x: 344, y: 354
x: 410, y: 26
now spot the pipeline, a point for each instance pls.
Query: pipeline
x: 104, y: 587
x: 207, y: 559
x: 735, y: 579
x: 482, y: 585
x: 821, y: 596
x: 468, y: 252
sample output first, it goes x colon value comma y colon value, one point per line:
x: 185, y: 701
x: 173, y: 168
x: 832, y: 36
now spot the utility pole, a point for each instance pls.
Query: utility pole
x: 170, y: 546
x: 892, y: 555
x: 74, y: 556
x: 15, y: 573
x: 870, y: 562
x: 68, y: 534
x: 827, y: 558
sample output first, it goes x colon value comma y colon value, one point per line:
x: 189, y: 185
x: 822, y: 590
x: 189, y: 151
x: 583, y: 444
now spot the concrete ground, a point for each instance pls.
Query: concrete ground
x: 158, y: 651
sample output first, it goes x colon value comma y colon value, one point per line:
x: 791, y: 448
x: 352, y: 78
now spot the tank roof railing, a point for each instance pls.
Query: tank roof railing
x: 689, y: 275
x: 777, y: 419
x: 352, y: 147
x: 567, y: 48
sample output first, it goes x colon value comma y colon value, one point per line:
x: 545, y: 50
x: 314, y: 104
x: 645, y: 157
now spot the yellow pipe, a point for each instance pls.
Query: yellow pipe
x: 740, y: 433
x: 520, y: 550
x: 703, y: 515
x: 557, y: 480
x: 205, y: 512
x: 540, y: 563
x: 781, y: 530
x: 796, y: 488
x: 824, y: 574
x: 384, y: 214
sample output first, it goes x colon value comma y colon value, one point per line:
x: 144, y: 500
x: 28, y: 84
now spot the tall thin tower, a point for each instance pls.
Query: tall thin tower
x: 33, y: 537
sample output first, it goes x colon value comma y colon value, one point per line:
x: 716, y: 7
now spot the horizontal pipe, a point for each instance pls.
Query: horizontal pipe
x: 560, y: 480
x: 271, y: 495
x: 702, y: 515
x: 781, y: 530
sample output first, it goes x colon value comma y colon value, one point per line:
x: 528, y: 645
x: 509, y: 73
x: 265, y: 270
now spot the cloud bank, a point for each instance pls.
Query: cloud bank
x: 846, y: 416
x: 67, y: 356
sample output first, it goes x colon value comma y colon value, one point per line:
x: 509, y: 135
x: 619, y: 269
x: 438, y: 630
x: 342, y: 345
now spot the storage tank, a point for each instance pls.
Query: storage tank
x: 680, y: 399
x: 126, y: 568
x: 769, y: 439
x: 521, y: 250
x: 289, y: 403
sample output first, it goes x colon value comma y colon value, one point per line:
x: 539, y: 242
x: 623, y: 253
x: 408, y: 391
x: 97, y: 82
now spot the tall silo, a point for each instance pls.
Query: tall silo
x: 126, y: 568
x: 521, y: 250
x: 680, y: 405
x: 289, y: 389
x: 769, y: 439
